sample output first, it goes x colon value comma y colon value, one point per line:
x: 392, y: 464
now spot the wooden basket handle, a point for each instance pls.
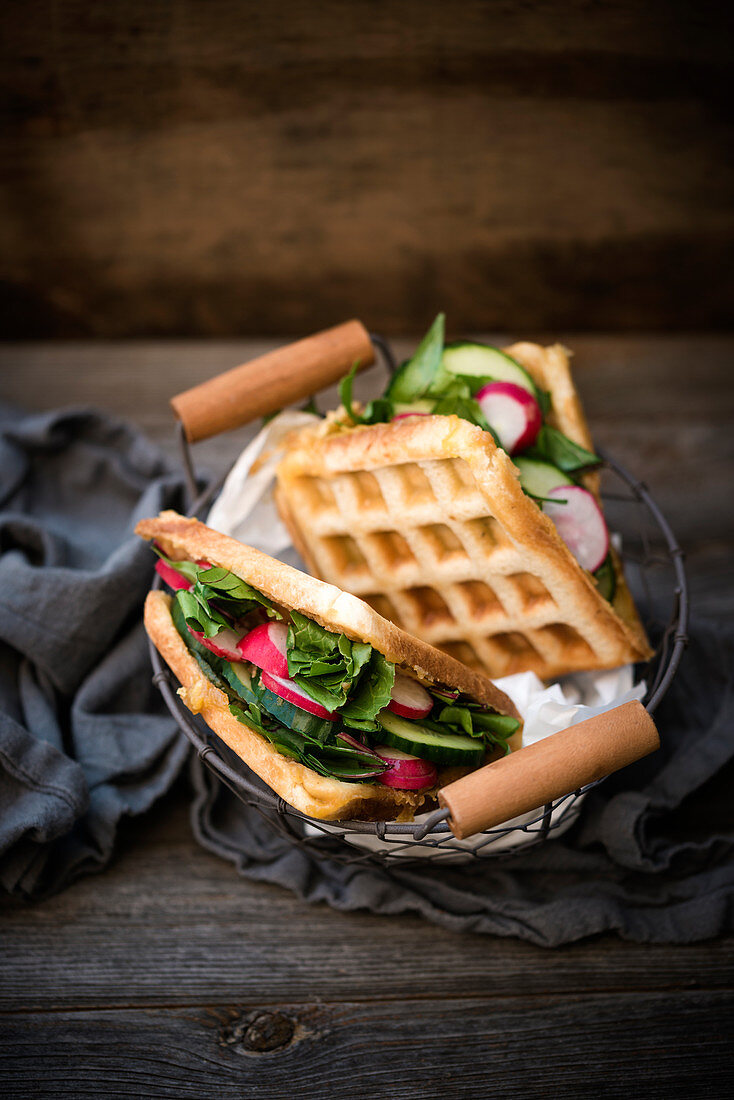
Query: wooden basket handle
x: 278, y: 378
x: 549, y: 769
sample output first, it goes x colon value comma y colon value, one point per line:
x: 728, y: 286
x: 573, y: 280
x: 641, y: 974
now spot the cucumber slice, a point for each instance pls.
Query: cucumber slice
x: 538, y: 478
x: 483, y: 361
x: 424, y: 405
x: 418, y: 740
x: 237, y: 674
x: 606, y: 579
x: 292, y: 717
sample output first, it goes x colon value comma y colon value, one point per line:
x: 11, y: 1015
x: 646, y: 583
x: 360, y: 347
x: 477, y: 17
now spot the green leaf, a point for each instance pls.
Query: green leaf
x: 341, y: 752
x: 555, y: 447
x: 457, y: 716
x: 468, y: 409
x: 181, y: 601
x: 215, y: 585
x: 221, y: 583
x: 414, y: 377
x: 307, y: 636
x: 544, y: 400
x: 379, y: 410
x: 606, y: 579
x: 199, y: 616
x: 477, y: 721
x: 345, y: 393
x: 339, y: 674
x: 373, y: 692
x: 504, y: 725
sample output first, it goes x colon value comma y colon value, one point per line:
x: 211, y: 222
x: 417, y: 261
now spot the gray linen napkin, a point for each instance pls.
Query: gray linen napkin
x: 84, y: 739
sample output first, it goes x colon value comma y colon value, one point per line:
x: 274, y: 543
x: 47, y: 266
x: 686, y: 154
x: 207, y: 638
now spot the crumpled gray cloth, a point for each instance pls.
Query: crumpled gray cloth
x: 652, y: 857
x: 84, y: 737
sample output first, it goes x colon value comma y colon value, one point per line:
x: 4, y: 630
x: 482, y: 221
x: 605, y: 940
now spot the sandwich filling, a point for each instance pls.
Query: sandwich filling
x: 487, y: 387
x: 336, y: 705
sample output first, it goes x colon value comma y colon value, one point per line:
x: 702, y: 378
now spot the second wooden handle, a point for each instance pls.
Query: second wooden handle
x: 549, y: 769
x: 278, y: 378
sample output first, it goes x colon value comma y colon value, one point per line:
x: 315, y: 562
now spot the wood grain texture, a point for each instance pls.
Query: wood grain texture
x: 170, y: 924
x: 231, y: 167
x: 531, y: 1048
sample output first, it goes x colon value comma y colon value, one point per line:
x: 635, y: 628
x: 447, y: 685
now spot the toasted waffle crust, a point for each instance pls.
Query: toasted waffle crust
x: 425, y: 519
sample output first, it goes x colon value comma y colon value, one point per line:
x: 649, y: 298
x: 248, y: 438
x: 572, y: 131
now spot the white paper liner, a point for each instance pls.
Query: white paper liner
x: 246, y: 510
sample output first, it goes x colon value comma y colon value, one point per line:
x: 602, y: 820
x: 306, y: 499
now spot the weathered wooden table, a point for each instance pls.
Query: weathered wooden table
x: 169, y: 976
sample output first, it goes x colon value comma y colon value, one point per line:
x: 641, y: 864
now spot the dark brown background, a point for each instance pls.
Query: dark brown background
x: 229, y: 167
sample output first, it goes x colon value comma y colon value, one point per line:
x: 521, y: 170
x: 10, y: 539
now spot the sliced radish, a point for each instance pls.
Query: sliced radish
x: 292, y: 693
x: 408, y: 698
x: 224, y: 644
x: 402, y: 416
x: 407, y: 773
x: 171, y: 576
x: 353, y: 742
x: 512, y: 413
x: 580, y: 523
x: 265, y: 646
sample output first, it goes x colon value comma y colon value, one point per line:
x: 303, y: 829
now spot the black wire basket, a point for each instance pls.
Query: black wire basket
x: 654, y: 571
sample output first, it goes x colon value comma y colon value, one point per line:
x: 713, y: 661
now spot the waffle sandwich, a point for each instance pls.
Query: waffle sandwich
x: 426, y: 519
x: 341, y: 713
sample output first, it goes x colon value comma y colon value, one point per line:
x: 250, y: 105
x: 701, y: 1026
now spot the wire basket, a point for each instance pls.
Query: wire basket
x: 653, y: 564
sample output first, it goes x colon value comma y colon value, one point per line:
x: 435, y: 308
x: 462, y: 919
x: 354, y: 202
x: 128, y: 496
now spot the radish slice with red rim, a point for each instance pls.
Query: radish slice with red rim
x: 353, y: 742
x: 265, y: 646
x: 224, y: 644
x: 408, y: 698
x: 407, y: 773
x: 580, y: 523
x: 512, y: 413
x: 171, y: 576
x: 292, y: 693
x: 402, y: 416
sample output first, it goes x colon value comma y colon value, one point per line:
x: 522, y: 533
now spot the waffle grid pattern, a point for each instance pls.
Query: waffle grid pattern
x: 419, y: 543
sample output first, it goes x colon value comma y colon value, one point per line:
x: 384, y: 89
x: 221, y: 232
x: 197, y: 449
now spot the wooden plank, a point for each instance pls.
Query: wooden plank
x: 647, y: 1045
x: 204, y: 172
x: 170, y: 924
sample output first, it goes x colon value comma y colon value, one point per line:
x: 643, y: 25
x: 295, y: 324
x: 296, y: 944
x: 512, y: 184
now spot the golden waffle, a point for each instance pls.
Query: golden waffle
x: 425, y: 519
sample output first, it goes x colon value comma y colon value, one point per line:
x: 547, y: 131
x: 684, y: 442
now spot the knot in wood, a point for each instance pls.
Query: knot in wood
x: 259, y: 1032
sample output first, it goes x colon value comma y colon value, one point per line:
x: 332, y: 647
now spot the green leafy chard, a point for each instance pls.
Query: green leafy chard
x: 378, y: 411
x: 416, y: 376
x: 372, y: 693
x: 556, y: 448
x: 475, y: 720
x: 332, y: 670
x: 217, y: 597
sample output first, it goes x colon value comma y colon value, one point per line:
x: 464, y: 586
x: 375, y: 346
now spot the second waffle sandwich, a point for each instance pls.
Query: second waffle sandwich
x: 424, y: 515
